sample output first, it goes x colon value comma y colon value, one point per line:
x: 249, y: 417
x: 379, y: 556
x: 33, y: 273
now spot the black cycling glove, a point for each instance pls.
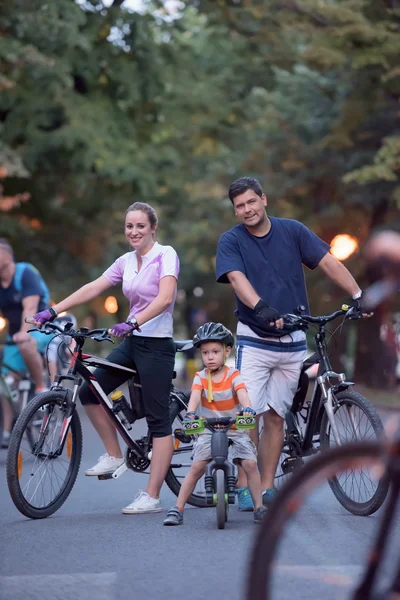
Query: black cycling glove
x: 266, y: 313
x: 359, y: 305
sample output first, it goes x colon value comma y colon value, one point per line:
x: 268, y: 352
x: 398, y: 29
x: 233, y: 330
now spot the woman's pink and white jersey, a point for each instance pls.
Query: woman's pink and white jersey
x: 142, y: 287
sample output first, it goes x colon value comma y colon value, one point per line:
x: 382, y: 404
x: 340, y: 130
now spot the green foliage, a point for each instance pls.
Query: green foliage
x: 101, y: 106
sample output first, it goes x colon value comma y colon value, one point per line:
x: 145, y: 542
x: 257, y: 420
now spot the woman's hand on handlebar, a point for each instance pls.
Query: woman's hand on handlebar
x: 122, y: 329
x: 42, y: 317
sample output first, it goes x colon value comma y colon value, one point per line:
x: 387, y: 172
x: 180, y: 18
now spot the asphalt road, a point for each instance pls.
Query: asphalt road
x: 89, y: 551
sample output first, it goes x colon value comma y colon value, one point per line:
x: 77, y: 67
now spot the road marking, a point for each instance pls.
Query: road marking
x: 80, y: 586
x: 338, y: 575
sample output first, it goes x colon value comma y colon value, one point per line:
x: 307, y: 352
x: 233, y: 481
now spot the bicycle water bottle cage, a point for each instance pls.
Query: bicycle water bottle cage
x: 194, y: 426
x: 245, y: 422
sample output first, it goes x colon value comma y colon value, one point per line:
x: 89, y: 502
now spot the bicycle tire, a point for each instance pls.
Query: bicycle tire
x: 289, y: 499
x: 219, y: 479
x: 350, y: 397
x: 1, y: 424
x: 17, y: 496
x: 171, y: 480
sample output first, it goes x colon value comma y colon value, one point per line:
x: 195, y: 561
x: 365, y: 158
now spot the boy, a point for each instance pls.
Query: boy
x: 221, y: 392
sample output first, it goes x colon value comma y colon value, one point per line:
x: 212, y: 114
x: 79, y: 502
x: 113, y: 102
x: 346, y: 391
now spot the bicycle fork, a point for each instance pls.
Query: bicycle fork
x: 327, y: 399
x: 219, y: 452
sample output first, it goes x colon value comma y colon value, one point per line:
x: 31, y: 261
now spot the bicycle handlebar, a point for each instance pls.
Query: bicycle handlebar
x: 99, y: 335
x: 296, y: 322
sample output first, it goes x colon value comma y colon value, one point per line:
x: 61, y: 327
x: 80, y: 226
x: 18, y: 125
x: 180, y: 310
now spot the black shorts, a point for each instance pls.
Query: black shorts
x: 154, y: 359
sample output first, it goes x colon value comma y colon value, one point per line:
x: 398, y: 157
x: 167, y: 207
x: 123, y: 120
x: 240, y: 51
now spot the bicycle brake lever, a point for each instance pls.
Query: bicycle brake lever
x: 103, y: 339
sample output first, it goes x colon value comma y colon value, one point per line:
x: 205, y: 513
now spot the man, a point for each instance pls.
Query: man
x: 22, y: 294
x: 262, y: 258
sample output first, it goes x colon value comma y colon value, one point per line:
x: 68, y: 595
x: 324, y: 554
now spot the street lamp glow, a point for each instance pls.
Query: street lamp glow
x: 111, y: 304
x: 3, y: 323
x: 343, y: 246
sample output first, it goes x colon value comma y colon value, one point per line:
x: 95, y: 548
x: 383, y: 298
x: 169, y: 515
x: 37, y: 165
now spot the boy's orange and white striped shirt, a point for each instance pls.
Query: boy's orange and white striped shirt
x: 225, y: 401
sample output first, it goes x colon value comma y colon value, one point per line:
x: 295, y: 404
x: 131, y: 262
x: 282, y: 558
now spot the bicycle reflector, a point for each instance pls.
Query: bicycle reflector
x: 245, y: 422
x: 194, y: 426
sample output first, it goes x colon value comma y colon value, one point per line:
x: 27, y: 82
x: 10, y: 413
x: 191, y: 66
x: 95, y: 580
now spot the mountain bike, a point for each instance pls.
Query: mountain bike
x: 41, y: 478
x: 279, y: 568
x: 335, y: 415
x: 16, y: 388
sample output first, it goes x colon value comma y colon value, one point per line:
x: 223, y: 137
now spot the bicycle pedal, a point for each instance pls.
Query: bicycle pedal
x: 182, y: 437
x: 105, y: 476
x: 291, y: 463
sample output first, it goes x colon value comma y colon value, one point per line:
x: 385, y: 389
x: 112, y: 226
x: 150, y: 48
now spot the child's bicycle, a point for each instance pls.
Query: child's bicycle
x: 220, y: 476
x: 41, y: 472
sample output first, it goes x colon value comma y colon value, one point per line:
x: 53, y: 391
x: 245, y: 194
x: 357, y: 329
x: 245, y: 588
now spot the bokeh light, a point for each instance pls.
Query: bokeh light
x: 111, y: 304
x: 343, y: 246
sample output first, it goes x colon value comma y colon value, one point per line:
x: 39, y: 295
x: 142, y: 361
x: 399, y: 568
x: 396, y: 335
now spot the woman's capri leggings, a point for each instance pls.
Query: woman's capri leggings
x: 154, y: 359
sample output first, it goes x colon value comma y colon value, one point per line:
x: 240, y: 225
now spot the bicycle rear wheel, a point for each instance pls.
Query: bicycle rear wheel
x: 273, y: 572
x: 356, y: 420
x: 41, y: 473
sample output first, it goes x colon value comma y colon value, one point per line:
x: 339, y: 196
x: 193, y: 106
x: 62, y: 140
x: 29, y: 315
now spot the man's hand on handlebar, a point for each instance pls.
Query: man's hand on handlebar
x: 268, y: 314
x: 359, y: 308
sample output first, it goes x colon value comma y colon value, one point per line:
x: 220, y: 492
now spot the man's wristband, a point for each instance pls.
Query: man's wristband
x: 53, y: 312
x: 357, y: 296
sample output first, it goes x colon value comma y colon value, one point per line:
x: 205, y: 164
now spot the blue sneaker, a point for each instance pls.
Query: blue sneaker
x: 245, y: 501
x: 269, y: 496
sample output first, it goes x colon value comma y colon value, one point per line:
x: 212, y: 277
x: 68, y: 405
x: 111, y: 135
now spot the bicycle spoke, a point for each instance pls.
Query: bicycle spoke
x: 46, y: 472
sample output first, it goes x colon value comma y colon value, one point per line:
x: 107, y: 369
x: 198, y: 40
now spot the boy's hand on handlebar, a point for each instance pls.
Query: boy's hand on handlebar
x: 248, y: 411
x: 42, y: 317
x: 268, y: 314
x: 190, y: 416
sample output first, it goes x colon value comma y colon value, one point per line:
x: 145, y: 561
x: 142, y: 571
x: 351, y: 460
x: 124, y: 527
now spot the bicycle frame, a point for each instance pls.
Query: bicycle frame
x: 322, y: 394
x: 78, y: 371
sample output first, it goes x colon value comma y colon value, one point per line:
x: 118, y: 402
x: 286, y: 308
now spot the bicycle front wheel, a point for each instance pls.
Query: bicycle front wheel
x: 286, y: 558
x: 356, y: 420
x: 221, y: 506
x: 40, y: 470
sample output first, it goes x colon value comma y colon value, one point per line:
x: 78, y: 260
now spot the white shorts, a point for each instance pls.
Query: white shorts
x: 271, y: 377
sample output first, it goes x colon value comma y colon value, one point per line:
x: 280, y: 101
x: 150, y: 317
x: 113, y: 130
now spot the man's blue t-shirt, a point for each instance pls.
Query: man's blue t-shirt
x: 31, y: 284
x: 273, y: 264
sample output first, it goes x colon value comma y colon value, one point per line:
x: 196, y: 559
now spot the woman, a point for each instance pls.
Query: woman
x: 149, y: 281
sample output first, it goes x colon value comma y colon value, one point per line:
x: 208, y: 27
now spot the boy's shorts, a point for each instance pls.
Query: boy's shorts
x: 242, y: 448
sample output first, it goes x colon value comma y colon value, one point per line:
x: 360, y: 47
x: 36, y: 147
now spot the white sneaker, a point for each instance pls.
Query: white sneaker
x: 106, y: 464
x: 142, y: 503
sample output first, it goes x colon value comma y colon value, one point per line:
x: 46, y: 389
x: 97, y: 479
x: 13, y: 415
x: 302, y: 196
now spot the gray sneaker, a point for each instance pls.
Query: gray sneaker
x: 174, y: 517
x: 269, y: 496
x: 259, y: 514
